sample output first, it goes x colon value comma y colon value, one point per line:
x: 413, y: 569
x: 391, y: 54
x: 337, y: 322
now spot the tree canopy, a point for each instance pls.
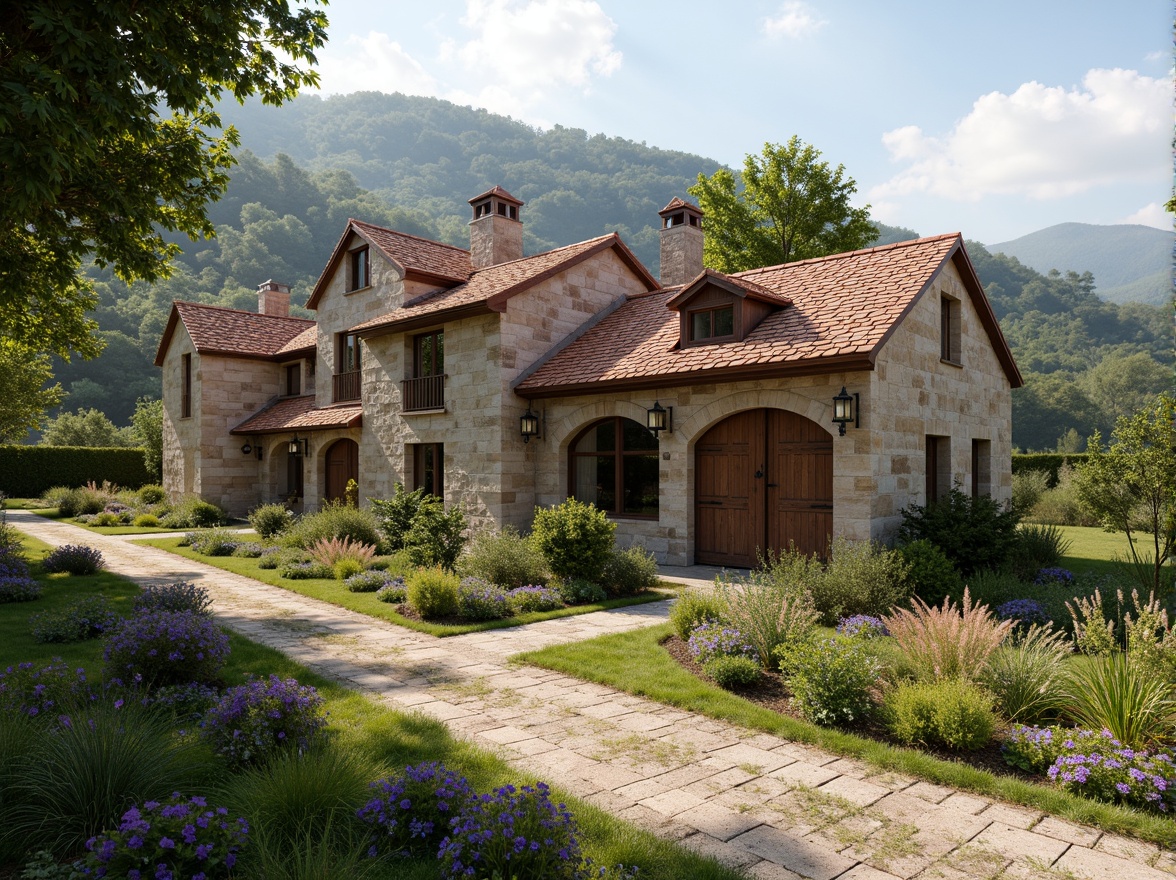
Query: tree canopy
x: 109, y: 139
x: 793, y: 206
x: 86, y: 427
x: 23, y: 376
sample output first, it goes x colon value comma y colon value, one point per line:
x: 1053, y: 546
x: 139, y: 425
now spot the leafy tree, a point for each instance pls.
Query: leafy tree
x: 147, y: 426
x: 23, y: 376
x: 792, y: 207
x: 86, y: 427
x: 1131, y: 485
x: 1122, y: 384
x: 107, y: 139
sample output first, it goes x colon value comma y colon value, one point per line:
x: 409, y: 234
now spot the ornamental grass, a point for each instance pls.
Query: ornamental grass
x: 947, y: 642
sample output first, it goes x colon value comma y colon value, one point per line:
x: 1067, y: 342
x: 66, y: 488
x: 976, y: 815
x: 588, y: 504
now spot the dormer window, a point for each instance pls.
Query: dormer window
x: 358, y: 269
x: 712, y: 324
x: 717, y: 308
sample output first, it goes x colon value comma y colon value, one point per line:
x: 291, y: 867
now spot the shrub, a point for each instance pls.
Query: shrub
x: 1095, y: 764
x: 1151, y: 643
x: 35, y: 691
x: 1025, y: 675
x: 504, y: 558
x: 304, y: 571
x: 1023, y: 613
x: 152, y: 493
x: 768, y: 613
x: 1061, y: 504
x: 478, y: 599
x: 830, y: 679
x: 176, y: 596
x: 436, y: 536
x: 862, y: 577
x: 249, y: 550
x: 575, y: 538
x: 80, y: 501
x: 74, y: 559
x: 931, y: 575
x: 270, y: 520
x: 533, y: 597
x: 1028, y: 487
x: 335, y: 520
x: 85, y: 618
x: 395, y: 515
x: 177, y: 837
x: 433, y: 592
x: 711, y: 639
x: 974, y: 533
x: 15, y: 588
x: 578, y: 591
x: 732, y: 670
x: 1093, y: 633
x: 694, y: 607
x: 412, y: 811
x: 862, y: 626
x: 254, y: 720
x: 215, y: 542
x: 628, y: 572
x: 165, y: 647
x: 191, y: 512
x: 145, y: 521
x: 329, y: 551
x: 393, y: 592
x: 1037, y: 547
x: 949, y: 711
x: 345, y: 568
x: 369, y: 581
x: 947, y: 642
x: 106, y: 519
x: 1111, y: 693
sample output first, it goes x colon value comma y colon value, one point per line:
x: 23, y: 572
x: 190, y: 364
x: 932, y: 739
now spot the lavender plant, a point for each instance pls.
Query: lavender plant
x: 1023, y: 613
x: 85, y: 618
x: 176, y: 596
x: 412, y: 811
x: 370, y: 581
x: 862, y: 626
x: 533, y: 597
x: 393, y: 592
x: 73, y: 559
x: 39, y: 691
x: 18, y: 588
x: 255, y: 719
x: 1053, y: 575
x: 165, y: 647
x: 712, y: 639
x: 478, y: 599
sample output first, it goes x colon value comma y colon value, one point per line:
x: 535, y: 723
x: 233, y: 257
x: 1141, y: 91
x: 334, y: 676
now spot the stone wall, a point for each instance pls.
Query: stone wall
x: 181, y: 436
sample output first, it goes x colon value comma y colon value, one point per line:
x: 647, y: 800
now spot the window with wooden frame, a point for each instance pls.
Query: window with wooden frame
x: 428, y: 468
x: 712, y: 324
x: 295, y: 474
x: 949, y: 330
x: 981, y: 468
x: 293, y: 379
x: 614, y: 464
x: 186, y: 387
x: 428, y: 354
x: 358, y: 269
x: 938, y: 467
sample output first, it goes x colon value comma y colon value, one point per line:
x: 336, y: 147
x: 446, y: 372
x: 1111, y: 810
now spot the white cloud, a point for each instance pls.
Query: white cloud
x: 794, y: 20
x: 1151, y: 215
x: 1043, y: 142
x: 373, y: 63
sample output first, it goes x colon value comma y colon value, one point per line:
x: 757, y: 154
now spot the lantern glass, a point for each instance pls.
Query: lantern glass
x: 293, y: 448
x: 655, y: 418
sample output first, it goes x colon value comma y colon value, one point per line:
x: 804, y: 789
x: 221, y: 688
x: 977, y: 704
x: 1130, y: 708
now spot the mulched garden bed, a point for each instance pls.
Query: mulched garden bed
x: 770, y: 692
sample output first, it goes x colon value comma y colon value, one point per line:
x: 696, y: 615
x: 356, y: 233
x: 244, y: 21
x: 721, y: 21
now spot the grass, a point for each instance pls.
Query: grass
x: 385, y: 738
x: 636, y: 663
x: 1092, y: 549
x: 53, y: 513
x: 333, y: 591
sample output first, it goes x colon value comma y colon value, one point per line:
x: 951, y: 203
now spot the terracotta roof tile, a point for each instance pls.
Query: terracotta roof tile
x: 299, y: 413
x: 842, y: 306
x: 307, y: 339
x: 220, y: 330
x: 416, y: 254
x: 496, y: 190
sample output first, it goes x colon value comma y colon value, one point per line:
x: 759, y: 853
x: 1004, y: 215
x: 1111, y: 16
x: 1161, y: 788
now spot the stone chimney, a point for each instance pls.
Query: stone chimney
x: 681, y: 242
x: 273, y: 298
x: 496, y: 232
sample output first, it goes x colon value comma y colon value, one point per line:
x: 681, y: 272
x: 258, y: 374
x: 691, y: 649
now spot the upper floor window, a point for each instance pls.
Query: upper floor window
x: 348, y: 353
x: 428, y: 354
x: 186, y: 392
x: 614, y: 465
x: 293, y: 379
x: 718, y: 323
x: 345, y: 382
x: 949, y: 330
x: 359, y: 269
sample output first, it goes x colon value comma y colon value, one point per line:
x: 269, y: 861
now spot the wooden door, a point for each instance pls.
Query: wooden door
x: 342, y: 465
x: 763, y: 481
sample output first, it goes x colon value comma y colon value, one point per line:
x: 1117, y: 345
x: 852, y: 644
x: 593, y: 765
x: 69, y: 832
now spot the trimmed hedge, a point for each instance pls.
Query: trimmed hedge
x: 1050, y: 462
x: 27, y: 471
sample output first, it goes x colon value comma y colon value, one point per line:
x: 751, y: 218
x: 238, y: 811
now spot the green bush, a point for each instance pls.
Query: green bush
x: 437, y: 535
x: 106, y: 519
x: 578, y: 591
x: 1112, y: 693
x: 1061, y: 505
x: 395, y: 515
x: 152, y: 493
x: 949, y: 712
x: 191, y: 512
x: 693, y: 608
x: 270, y: 520
x: 145, y: 521
x: 862, y: 577
x: 1049, y: 462
x: 335, y: 520
x: 81, y: 501
x: 974, y: 533
x: 768, y: 612
x: 1025, y: 675
x: 305, y: 571
x: 575, y: 538
x: 1028, y: 487
x: 433, y: 592
x: 27, y: 471
x: 1037, y: 547
x: 931, y: 575
x: 504, y: 558
x: 830, y: 679
x: 732, y: 670
x: 629, y: 572
x: 345, y: 568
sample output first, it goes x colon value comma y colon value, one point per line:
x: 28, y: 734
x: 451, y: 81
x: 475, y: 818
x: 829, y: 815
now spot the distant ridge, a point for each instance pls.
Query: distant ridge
x: 1130, y: 263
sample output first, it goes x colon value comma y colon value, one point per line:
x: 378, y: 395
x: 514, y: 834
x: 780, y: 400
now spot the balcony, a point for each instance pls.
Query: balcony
x: 425, y: 393
x: 345, y: 386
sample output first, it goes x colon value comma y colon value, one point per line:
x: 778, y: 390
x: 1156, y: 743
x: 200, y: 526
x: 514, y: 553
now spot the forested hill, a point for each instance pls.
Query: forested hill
x: 412, y: 164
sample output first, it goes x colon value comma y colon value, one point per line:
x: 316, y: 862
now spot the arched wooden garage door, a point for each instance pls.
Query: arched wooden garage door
x: 342, y: 465
x: 763, y: 481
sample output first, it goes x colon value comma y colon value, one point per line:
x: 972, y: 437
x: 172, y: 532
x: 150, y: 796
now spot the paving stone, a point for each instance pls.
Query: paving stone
x: 1014, y: 843
x: 865, y: 872
x: 793, y: 853
x: 506, y: 735
x: 743, y: 754
x: 717, y: 821
x: 936, y: 794
x: 1051, y: 826
x: 965, y: 803
x: 1126, y: 848
x: 1091, y: 864
x: 765, y: 870
x: 671, y: 802
x: 1018, y: 817
x: 720, y: 851
x: 856, y: 791
x: 641, y: 789
x: 803, y: 773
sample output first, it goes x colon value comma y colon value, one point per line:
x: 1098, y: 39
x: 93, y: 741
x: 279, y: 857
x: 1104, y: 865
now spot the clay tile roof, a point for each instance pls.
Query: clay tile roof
x: 735, y: 283
x: 489, y: 288
x: 843, y: 308
x: 418, y: 255
x: 299, y: 414
x: 676, y: 203
x: 307, y: 339
x: 496, y: 191
x: 220, y: 330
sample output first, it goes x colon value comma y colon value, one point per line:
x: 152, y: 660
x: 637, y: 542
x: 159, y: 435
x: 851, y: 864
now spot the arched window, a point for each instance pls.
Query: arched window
x: 614, y: 465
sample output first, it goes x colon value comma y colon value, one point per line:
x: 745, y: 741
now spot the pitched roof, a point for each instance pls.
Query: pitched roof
x: 496, y: 190
x: 488, y: 289
x: 736, y: 284
x: 233, y: 332
x: 299, y: 413
x: 414, y: 256
x: 844, y: 307
x: 304, y: 341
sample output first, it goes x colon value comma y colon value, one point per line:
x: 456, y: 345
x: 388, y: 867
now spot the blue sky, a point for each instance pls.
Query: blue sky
x: 993, y: 119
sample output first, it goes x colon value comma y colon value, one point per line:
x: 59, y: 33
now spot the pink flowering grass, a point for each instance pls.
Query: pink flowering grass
x: 949, y: 641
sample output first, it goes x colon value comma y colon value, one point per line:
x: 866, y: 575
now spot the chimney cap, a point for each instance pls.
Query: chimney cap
x: 274, y: 285
x: 677, y: 204
x: 499, y: 193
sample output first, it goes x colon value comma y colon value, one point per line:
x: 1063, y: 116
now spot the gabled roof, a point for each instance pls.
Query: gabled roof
x: 844, y: 308
x: 733, y: 284
x: 233, y: 332
x: 300, y: 414
x: 498, y: 191
x: 303, y: 342
x: 415, y: 257
x: 489, y: 289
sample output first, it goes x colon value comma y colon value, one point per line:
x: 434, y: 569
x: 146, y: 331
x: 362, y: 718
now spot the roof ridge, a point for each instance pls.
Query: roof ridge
x: 562, y: 247
x: 828, y: 258
x: 200, y: 305
x: 407, y: 235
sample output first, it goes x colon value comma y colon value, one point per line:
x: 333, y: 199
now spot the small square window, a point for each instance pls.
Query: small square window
x: 712, y: 323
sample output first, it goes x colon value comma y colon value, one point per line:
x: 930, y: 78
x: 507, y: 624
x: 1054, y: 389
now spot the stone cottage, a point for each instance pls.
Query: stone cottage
x: 713, y: 416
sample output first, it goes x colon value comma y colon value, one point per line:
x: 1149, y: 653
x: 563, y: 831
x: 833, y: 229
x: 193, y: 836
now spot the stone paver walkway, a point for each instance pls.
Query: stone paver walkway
x: 779, y: 809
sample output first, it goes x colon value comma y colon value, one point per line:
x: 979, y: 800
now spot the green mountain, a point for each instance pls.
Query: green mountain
x: 1132, y: 263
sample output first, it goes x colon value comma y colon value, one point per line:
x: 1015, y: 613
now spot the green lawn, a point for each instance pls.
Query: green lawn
x: 52, y: 513
x: 386, y: 739
x: 333, y: 591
